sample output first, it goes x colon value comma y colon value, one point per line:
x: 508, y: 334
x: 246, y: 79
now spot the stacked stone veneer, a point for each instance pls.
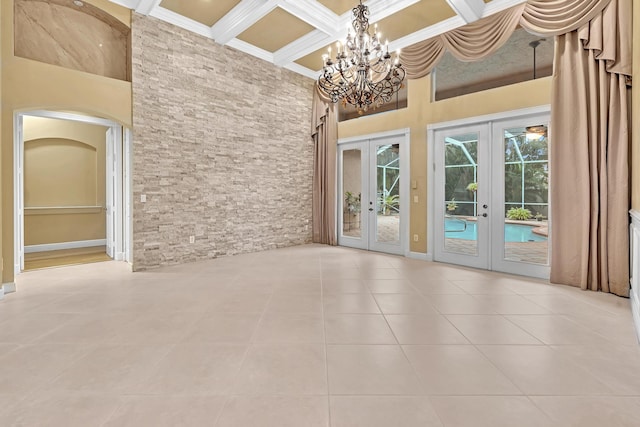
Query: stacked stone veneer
x: 221, y: 149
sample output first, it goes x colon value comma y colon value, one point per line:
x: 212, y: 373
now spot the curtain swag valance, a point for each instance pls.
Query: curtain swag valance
x: 482, y: 38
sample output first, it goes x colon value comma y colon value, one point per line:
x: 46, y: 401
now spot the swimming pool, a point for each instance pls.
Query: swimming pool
x: 455, y: 229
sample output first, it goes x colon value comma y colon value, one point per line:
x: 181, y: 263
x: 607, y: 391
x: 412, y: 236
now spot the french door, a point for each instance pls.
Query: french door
x: 491, y: 192
x: 372, y: 194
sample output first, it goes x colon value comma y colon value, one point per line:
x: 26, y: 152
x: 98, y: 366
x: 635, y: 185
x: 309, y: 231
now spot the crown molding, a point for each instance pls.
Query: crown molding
x: 181, y: 21
x: 145, y: 7
x: 302, y: 70
x: 129, y: 4
x: 251, y: 49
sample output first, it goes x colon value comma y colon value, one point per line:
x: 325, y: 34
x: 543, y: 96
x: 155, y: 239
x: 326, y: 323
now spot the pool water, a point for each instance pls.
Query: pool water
x: 455, y: 229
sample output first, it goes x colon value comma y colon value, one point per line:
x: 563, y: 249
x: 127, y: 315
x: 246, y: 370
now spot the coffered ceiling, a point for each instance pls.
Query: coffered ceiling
x: 294, y: 33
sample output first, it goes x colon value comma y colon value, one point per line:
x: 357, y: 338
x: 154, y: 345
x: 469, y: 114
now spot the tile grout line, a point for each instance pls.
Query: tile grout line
x: 252, y: 341
x: 326, y: 351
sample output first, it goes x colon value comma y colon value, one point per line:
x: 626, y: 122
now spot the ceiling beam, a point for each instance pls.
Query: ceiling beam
x: 316, y: 39
x: 468, y: 10
x: 146, y: 6
x: 302, y: 47
x: 313, y: 13
x: 380, y: 9
x: 330, y: 27
x: 245, y: 14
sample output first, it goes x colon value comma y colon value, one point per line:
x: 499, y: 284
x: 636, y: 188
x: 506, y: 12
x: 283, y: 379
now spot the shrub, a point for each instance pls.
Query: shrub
x: 519, y: 214
x: 352, y: 201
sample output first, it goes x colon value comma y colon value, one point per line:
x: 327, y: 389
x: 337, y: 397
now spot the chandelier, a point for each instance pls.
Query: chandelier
x: 363, y: 73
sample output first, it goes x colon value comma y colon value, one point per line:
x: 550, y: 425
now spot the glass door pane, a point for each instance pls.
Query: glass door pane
x: 369, y: 194
x: 387, y: 175
x: 351, y: 193
x: 460, y: 198
x: 526, y: 194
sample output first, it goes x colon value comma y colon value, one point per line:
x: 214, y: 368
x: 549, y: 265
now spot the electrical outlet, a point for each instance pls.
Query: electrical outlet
x: 143, y: 198
x: 415, y: 199
x: 415, y: 237
x: 192, y: 239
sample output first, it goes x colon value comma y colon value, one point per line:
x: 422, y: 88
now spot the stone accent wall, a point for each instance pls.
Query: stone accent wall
x: 221, y: 149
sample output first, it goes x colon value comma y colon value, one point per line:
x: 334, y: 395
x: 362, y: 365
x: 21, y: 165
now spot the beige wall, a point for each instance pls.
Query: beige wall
x: 421, y: 112
x: 30, y: 85
x: 635, y: 108
x: 64, y: 166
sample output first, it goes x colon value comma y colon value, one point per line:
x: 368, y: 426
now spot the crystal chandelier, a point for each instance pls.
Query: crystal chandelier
x: 363, y: 73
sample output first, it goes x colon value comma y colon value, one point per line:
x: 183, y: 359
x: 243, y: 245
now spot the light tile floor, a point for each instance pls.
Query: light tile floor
x: 313, y: 336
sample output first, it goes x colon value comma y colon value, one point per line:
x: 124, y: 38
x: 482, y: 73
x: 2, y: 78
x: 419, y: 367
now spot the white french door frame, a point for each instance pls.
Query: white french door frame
x: 368, y: 174
x: 127, y: 196
x: 113, y: 200
x: 118, y: 185
x: 493, y: 197
x: 481, y: 258
x: 500, y: 263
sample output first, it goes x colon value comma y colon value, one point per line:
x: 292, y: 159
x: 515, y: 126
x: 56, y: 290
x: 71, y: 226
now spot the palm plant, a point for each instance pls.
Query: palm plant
x: 388, y: 202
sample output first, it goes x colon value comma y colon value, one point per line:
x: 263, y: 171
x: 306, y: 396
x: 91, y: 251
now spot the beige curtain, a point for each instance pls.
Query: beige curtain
x: 589, y: 129
x: 482, y: 38
x: 324, y: 131
x: 589, y: 152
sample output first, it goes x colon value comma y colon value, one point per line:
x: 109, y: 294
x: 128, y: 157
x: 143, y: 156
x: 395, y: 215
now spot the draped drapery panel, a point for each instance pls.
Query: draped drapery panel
x: 589, y: 125
x: 324, y: 131
x: 589, y: 167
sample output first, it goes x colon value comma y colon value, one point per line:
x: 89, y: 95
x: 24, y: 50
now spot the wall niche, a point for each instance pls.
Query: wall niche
x: 72, y: 34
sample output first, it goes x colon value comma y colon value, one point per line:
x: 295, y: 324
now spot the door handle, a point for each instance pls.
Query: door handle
x: 485, y: 206
x: 370, y: 209
x: 484, y: 215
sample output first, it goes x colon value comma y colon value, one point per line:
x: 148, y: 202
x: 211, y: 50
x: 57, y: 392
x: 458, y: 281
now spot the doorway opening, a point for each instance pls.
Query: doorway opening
x: 490, y: 187
x: 372, y: 192
x: 71, y: 190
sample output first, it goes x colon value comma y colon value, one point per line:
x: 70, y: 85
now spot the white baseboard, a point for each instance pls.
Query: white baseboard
x: 8, y: 287
x: 64, y: 245
x: 421, y: 256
